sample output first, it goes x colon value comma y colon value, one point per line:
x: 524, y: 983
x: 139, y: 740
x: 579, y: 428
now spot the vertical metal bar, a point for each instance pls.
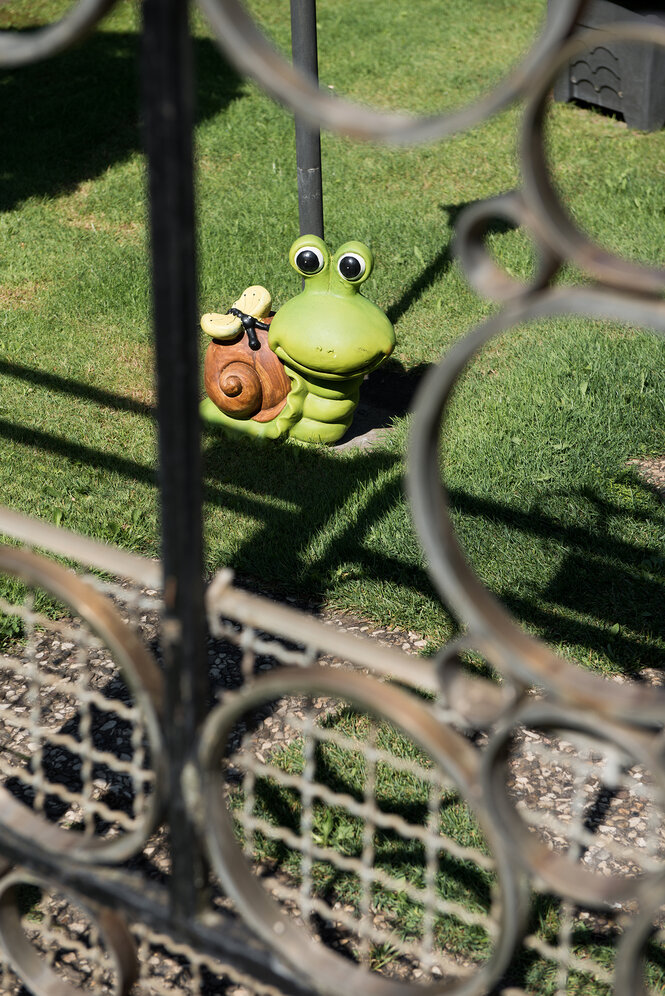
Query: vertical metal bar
x: 308, y: 139
x: 168, y: 118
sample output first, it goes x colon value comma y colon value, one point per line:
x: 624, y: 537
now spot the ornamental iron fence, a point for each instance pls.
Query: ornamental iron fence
x: 172, y: 825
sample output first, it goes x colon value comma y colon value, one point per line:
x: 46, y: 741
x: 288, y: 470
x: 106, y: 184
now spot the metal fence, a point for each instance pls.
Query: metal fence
x: 150, y: 841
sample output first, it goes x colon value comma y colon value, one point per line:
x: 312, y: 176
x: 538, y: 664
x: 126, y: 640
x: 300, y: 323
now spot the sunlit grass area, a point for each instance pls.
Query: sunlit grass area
x: 536, y: 446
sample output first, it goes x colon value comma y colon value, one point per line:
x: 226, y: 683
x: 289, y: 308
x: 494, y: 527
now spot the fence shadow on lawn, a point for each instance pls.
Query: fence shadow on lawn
x: 604, y: 597
x: 606, y: 594
x: 69, y: 119
x: 297, y: 493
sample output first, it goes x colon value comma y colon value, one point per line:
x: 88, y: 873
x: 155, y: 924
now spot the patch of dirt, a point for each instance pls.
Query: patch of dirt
x: 73, y: 210
x: 651, y: 470
x: 21, y: 296
x: 130, y: 231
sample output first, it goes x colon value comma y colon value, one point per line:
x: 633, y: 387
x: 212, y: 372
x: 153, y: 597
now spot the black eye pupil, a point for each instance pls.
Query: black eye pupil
x: 308, y: 261
x: 350, y: 267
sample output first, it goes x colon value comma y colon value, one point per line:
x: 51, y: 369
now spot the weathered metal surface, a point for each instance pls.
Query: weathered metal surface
x: 247, y: 48
x: 449, y: 759
x: 21, y: 49
x: 113, y: 951
x: 55, y: 724
x: 308, y: 139
x: 119, y: 563
x: 167, y: 77
x: 591, y: 832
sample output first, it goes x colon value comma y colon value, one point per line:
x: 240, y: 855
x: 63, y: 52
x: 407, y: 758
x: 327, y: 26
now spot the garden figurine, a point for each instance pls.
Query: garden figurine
x: 297, y: 373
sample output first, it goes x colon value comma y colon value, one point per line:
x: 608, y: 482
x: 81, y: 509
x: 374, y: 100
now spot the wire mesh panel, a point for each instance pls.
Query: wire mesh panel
x: 80, y: 746
x: 60, y: 946
x: 374, y: 822
x: 341, y: 824
x: 366, y: 840
x: 358, y: 821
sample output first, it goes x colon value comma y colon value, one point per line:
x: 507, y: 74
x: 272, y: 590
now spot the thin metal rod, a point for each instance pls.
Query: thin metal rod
x: 120, y: 563
x: 168, y: 115
x: 308, y: 138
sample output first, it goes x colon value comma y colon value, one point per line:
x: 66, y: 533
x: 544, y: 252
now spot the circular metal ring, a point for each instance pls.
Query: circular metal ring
x: 145, y: 683
x: 247, y: 48
x: 20, y: 49
x: 565, y: 876
x: 553, y: 224
x: 30, y: 964
x: 483, y: 273
x: 329, y: 972
x: 509, y: 648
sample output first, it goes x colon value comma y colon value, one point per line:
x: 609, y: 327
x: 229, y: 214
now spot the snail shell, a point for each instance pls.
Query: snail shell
x: 246, y: 383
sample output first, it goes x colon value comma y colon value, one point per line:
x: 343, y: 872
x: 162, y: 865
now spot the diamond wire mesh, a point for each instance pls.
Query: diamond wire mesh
x: 73, y: 745
x: 579, y: 795
x: 66, y: 938
x: 324, y: 795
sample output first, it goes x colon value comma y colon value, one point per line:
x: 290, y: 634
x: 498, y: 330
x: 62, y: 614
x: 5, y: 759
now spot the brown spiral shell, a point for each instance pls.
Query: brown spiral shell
x: 246, y: 383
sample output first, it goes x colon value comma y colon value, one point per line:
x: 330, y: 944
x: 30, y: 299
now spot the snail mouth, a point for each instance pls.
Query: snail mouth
x: 322, y: 374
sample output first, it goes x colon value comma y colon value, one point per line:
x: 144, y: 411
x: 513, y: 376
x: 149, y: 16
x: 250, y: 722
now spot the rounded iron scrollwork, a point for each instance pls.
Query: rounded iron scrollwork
x: 553, y: 224
x: 18, y: 49
x: 32, y: 953
x: 486, y: 276
x: 479, y: 701
x: 247, y: 48
x: 509, y: 648
x: 448, y: 757
x: 629, y: 975
x: 543, y: 747
x: 56, y: 717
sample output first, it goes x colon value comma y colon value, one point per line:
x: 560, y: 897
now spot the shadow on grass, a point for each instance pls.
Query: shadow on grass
x: 441, y: 262
x: 303, y: 495
x: 316, y: 510
x: 606, y: 593
x: 596, y: 939
x: 390, y: 389
x: 603, y: 580
x: 70, y: 118
x: 74, y: 388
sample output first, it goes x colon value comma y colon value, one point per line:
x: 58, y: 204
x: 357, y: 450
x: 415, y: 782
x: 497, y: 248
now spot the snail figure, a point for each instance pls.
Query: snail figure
x: 297, y: 373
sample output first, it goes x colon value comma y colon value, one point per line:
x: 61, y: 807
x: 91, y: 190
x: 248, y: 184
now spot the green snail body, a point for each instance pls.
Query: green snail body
x: 328, y: 338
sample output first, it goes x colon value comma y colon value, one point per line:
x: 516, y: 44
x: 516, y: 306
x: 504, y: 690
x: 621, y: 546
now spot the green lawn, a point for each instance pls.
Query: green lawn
x: 541, y: 428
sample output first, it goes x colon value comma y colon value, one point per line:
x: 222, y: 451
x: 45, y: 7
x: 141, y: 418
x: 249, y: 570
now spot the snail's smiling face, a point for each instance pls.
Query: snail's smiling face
x: 330, y: 330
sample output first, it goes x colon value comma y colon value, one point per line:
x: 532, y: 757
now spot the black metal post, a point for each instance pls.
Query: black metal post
x: 168, y: 114
x: 308, y: 139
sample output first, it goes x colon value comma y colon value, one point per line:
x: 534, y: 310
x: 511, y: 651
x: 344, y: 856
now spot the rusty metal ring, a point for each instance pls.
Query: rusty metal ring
x: 479, y: 701
x: 553, y: 224
x: 249, y: 51
x: 145, y: 683
x: 483, y: 273
x: 566, y: 878
x: 30, y: 964
x: 18, y: 49
x: 330, y: 972
x: 510, y: 649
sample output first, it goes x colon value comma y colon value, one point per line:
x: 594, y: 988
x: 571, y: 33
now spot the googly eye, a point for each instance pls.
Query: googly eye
x: 351, y: 266
x: 309, y: 260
